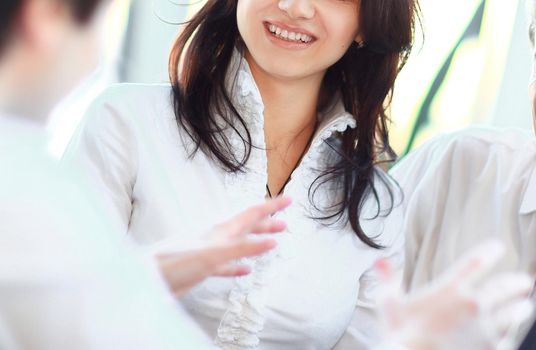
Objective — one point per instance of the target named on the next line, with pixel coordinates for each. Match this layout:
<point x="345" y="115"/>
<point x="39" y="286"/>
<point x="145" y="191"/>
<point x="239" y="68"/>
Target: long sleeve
<point x="423" y="203"/>
<point x="105" y="151"/>
<point x="365" y="329"/>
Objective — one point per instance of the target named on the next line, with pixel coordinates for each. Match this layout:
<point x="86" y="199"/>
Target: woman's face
<point x="294" y="39"/>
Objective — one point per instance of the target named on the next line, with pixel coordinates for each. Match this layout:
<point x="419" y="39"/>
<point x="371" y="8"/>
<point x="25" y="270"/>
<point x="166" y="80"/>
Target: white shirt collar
<point x="244" y="91"/>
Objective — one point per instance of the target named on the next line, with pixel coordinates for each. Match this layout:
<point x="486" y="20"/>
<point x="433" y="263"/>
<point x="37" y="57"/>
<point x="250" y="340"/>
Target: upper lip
<point x="290" y="28"/>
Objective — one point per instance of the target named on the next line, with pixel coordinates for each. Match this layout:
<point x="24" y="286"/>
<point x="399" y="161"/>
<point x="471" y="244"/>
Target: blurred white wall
<point x="512" y="105"/>
<point x="152" y="29"/>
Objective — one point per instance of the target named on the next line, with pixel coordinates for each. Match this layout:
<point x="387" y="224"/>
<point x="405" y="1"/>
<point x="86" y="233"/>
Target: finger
<point x="248" y="248"/>
<point x="504" y="289"/>
<point x="512" y="316"/>
<point x="269" y="226"/>
<point x="204" y="262"/>
<point x="389" y="277"/>
<point x="389" y="294"/>
<point x="184" y="270"/>
<point x="384" y="270"/>
<point x="474" y="265"/>
<point x="232" y="271"/>
<point x="220" y="255"/>
<point x="245" y="222"/>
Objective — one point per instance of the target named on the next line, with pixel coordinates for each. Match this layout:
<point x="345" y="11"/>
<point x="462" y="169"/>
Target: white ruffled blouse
<point x="316" y="290"/>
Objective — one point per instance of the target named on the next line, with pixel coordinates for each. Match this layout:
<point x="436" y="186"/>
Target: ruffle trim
<point x="245" y="317"/>
<point x="316" y="153"/>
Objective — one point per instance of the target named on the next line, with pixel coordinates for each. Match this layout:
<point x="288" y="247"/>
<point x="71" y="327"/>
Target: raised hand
<point x="226" y="243"/>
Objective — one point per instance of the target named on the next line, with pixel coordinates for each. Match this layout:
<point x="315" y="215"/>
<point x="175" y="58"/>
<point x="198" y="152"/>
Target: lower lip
<point x="292" y="45"/>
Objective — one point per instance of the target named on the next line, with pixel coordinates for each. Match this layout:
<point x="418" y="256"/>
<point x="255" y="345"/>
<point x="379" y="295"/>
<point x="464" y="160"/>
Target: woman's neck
<point x="290" y="118"/>
<point x="290" y="106"/>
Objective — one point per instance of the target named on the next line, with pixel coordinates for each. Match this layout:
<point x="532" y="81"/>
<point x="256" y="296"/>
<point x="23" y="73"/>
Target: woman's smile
<point x="288" y="37"/>
<point x="307" y="36"/>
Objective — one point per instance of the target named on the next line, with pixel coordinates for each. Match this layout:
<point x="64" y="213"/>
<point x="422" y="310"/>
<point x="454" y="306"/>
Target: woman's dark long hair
<point x="364" y="76"/>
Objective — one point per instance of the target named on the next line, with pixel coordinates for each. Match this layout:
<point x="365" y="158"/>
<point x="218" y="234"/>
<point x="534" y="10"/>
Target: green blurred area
<point x="455" y="75"/>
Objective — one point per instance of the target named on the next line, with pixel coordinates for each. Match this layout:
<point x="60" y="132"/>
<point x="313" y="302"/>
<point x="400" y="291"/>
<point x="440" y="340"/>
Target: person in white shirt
<point x="466" y="187"/>
<point x="274" y="96"/>
<point x="65" y="281"/>
<point x="463" y="188"/>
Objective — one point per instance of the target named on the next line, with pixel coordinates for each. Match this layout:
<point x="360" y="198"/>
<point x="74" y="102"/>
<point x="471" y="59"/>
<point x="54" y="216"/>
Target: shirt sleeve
<point x="104" y="150"/>
<point x="365" y="330"/>
<point x="421" y="175"/>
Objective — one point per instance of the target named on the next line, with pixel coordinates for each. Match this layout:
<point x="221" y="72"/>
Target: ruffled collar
<point x="245" y="317"/>
<point x="246" y="96"/>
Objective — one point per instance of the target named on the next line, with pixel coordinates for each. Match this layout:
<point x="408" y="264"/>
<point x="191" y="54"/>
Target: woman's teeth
<point x="290" y="36"/>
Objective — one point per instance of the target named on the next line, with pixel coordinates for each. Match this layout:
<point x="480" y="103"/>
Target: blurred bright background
<point x="473" y="66"/>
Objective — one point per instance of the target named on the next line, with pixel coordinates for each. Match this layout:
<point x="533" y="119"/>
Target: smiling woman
<point x="330" y="34"/>
<point x="334" y="63"/>
<point x="288" y="34"/>
<point x="266" y="97"/>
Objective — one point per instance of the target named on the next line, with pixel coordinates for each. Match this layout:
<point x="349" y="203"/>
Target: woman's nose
<point x="298" y="9"/>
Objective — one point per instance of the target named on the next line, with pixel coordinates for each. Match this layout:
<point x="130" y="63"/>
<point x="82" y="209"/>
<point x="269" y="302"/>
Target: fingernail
<point x="282" y="224"/>
<point x="286" y="199"/>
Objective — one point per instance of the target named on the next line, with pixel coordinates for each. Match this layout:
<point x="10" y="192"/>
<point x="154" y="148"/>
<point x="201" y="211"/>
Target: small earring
<point x="360" y="45"/>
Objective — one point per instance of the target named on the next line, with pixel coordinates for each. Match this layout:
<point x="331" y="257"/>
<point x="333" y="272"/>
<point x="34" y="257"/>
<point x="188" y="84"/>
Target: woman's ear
<point x="359" y="40"/>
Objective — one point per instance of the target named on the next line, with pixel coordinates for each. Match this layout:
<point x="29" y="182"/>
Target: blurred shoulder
<point x="470" y="145"/>
<point x="124" y="91"/>
<point x="129" y="107"/>
<point x="135" y="96"/>
<point x="478" y="138"/>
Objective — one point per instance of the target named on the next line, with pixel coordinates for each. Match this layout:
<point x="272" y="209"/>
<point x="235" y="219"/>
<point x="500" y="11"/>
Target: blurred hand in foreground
<point x="453" y="312"/>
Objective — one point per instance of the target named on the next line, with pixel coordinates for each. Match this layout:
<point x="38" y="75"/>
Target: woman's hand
<point x="226" y="242"/>
<point x="452" y="313"/>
